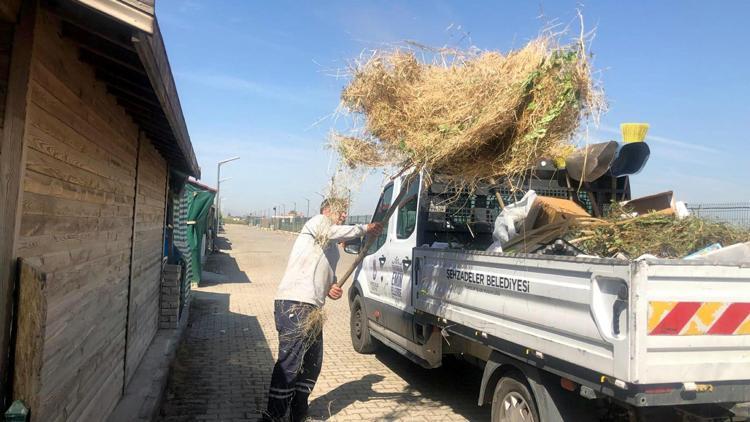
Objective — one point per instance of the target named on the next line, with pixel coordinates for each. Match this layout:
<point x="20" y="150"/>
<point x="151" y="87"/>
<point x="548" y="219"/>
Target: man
<point x="308" y="279"/>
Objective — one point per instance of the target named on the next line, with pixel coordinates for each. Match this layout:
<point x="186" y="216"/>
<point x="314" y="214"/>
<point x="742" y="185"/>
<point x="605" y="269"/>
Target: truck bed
<point x="642" y="322"/>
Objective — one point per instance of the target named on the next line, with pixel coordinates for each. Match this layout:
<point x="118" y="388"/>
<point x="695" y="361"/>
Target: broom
<point x="633" y="132"/>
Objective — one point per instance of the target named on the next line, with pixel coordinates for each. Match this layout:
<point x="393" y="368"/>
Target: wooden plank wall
<point x="6" y="43"/>
<point x="12" y="159"/>
<point x="77" y="227"/>
<point x="147" y="254"/>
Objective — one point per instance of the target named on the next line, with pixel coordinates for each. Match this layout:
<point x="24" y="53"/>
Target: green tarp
<point x="199" y="207"/>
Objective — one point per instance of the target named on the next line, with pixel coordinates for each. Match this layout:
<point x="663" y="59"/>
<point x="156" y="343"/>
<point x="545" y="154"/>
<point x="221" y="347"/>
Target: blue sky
<point x="258" y="80"/>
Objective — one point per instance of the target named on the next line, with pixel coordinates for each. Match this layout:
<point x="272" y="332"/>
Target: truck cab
<point x="441" y="216"/>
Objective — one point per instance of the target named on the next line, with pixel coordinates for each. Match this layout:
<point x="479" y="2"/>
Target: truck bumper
<point x="721" y="392"/>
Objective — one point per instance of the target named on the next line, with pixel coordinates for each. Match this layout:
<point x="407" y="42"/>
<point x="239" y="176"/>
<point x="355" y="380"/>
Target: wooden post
<point x="9" y="10"/>
<point x="499" y="198"/>
<point x="12" y="170"/>
<point x="165" y="221"/>
<point x="128" y="308"/>
<point x="31" y="326"/>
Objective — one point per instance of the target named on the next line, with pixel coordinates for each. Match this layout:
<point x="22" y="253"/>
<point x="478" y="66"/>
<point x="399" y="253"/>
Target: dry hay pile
<point x="474" y="115"/>
<point x="657" y="234"/>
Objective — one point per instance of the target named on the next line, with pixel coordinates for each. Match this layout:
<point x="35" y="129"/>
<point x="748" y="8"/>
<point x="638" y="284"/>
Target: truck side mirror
<point x="353" y="246"/>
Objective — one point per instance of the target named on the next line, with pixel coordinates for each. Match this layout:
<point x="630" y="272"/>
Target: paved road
<point x="224" y="365"/>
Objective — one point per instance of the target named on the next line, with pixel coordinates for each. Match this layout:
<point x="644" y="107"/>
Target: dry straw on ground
<point x="474" y="115"/>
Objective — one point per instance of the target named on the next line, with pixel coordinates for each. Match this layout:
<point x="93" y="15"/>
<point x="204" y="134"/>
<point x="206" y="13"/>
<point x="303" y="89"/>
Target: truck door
<point x="393" y="263"/>
<point x="375" y="275"/>
<point x="399" y="249"/>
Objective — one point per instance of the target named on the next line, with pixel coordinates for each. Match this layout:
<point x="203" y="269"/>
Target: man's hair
<point x="333" y="203"/>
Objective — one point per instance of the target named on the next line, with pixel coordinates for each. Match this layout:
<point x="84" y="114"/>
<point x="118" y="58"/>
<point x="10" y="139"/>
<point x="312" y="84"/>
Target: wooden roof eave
<point x="150" y="49"/>
<point x="138" y="14"/>
<point x="134" y="66"/>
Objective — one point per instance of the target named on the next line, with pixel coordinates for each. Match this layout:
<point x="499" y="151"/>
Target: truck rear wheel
<point x="512" y="401"/>
<point x="361" y="339"/>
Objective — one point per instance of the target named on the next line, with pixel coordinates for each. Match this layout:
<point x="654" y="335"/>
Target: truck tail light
<point x="658" y="390"/>
<point x="568" y="384"/>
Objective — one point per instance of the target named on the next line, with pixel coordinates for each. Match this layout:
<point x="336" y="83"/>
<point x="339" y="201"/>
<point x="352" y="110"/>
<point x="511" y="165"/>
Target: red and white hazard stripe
<point x="698" y="318"/>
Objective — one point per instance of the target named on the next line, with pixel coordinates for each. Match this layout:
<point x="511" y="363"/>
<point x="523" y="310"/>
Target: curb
<point x="145" y="391"/>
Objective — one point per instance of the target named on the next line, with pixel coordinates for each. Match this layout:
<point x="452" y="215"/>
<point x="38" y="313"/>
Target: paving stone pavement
<point x="224" y="364"/>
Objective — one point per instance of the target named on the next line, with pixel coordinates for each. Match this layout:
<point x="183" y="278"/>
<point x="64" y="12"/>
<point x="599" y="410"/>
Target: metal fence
<point x="358" y="219"/>
<point x="294" y="224"/>
<point x="737" y="213"/>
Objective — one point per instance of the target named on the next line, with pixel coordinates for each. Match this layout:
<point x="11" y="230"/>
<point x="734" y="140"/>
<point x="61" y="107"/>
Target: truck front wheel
<point x="361" y="339"/>
<point x="512" y="401"/>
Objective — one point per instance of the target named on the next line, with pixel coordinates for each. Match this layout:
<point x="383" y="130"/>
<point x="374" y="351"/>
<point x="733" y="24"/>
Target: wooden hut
<point x="93" y="141"/>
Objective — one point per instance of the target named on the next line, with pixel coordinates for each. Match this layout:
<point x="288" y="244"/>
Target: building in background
<point x="94" y="144"/>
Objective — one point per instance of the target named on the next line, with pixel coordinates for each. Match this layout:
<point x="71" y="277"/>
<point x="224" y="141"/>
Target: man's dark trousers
<point x="297" y="369"/>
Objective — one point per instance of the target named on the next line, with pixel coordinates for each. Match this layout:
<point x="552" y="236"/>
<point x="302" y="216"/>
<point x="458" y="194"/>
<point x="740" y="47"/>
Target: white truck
<point x="561" y="338"/>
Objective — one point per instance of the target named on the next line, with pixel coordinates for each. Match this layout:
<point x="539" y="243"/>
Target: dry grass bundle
<point x="311" y="321"/>
<point x="473" y="115"/>
<point x="657" y="234"/>
<point x="337" y="195"/>
<point x="358" y="152"/>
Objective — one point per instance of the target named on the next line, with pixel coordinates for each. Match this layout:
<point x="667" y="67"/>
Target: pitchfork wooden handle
<point x="370" y="239"/>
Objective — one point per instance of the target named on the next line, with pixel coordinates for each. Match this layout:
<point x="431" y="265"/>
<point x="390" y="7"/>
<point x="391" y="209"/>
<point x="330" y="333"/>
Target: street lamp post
<point x="224" y="199"/>
<point x="218" y="198"/>
<point x="218" y="189"/>
<point x="308" y="208"/>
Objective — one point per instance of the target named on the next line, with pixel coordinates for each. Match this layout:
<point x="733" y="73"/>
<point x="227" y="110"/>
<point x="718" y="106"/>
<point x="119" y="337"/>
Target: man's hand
<point x="374" y="229"/>
<point x="335" y="292"/>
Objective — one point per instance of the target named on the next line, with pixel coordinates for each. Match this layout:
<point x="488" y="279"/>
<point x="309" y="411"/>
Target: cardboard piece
<point x="549" y="210"/>
<point x="662" y="203"/>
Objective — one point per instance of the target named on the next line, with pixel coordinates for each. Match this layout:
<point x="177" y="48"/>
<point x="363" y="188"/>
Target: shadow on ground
<point x="225" y="270"/>
<point x="219" y="355"/>
<point x="455" y="384"/>
<point x="222" y="243"/>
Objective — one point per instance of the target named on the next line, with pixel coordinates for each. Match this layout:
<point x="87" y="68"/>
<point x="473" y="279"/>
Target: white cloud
<point x="252" y="150"/>
<point x="232" y="83"/>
